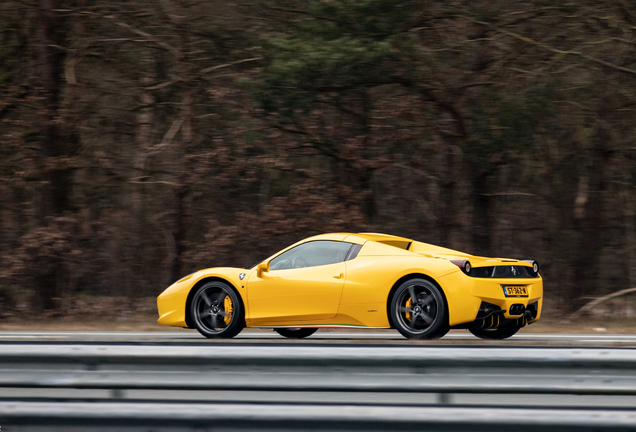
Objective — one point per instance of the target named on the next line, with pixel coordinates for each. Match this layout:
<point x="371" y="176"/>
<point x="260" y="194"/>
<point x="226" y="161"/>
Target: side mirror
<point x="262" y="268"/>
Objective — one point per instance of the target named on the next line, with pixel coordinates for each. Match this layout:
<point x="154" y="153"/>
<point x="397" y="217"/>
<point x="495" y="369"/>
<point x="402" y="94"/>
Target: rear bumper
<point x="466" y="295"/>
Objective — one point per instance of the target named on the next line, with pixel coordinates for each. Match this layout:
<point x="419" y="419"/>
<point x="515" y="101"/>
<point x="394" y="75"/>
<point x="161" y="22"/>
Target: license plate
<point x="515" y="291"/>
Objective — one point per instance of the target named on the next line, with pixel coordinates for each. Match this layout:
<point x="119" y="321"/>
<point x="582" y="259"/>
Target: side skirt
<point x="319" y="326"/>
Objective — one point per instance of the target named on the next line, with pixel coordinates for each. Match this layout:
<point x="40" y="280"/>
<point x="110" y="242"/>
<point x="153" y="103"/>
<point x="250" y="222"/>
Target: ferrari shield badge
<point x="241" y="276"/>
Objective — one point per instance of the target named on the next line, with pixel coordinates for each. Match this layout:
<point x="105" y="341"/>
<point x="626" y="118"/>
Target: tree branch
<point x="297" y="12"/>
<point x="557" y="51"/>
<point x="589" y="306"/>
<point x="150" y="37"/>
<point x="213" y="68"/>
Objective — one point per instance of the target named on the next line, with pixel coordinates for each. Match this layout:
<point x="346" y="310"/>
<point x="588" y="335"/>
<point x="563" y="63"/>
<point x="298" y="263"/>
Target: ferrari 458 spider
<point x="360" y="280"/>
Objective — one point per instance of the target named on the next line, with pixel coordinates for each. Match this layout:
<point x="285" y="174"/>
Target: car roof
<point x="381" y="238"/>
<point x="360" y="237"/>
<point x="391" y="240"/>
<point x="410" y="246"/>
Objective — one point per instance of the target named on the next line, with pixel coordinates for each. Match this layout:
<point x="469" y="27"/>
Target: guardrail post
<point x="444" y="399"/>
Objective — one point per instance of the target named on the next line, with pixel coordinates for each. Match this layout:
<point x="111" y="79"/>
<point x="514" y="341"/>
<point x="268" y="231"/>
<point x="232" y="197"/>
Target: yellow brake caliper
<point x="408" y="304"/>
<point x="227" y="305"/>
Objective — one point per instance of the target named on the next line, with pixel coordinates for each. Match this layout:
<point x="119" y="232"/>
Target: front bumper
<point x="171" y="304"/>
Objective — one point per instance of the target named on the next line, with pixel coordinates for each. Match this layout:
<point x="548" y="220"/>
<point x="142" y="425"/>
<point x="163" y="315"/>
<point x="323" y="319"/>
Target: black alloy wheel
<point x="418" y="310"/>
<point x="495" y="333"/>
<point x="217" y="311"/>
<point x="295" y="333"/>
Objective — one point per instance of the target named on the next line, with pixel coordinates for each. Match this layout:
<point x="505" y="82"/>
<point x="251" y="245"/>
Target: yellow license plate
<point x="515" y="291"/>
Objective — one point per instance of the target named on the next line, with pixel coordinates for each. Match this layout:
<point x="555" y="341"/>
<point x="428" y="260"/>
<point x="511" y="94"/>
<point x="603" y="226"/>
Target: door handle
<point x="339" y="276"/>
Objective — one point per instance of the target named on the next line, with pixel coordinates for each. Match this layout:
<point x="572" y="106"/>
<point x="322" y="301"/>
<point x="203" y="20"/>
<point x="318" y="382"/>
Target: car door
<point x="303" y="284"/>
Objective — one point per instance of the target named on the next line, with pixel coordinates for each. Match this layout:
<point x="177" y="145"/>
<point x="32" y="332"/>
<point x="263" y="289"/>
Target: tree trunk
<point x="177" y="15"/>
<point x="482" y="212"/>
<point x="589" y="224"/>
<point x="56" y="190"/>
<point x="139" y="221"/>
<point x="629" y="220"/>
<point x="55" y="195"/>
<point x="447" y="175"/>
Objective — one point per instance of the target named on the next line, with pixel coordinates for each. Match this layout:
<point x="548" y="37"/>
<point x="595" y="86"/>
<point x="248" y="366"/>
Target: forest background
<point x="141" y="140"/>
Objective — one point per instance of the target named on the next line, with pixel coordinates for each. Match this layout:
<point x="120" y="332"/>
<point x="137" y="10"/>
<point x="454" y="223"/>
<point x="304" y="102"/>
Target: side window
<point x="311" y="254"/>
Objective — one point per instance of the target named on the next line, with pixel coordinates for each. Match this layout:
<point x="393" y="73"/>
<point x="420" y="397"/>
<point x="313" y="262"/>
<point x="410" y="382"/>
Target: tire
<point x="217" y="311"/>
<point x="495" y="333"/>
<point x="295" y="333"/>
<point x="418" y="310"/>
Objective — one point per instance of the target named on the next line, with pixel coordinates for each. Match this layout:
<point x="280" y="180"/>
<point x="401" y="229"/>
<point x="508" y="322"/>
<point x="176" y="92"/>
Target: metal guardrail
<point x="403" y="369"/>
<point x="243" y="417"/>
<point x="440" y="371"/>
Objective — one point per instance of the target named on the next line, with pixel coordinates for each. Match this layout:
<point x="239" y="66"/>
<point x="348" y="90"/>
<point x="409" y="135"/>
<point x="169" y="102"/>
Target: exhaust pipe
<point x="517" y="309"/>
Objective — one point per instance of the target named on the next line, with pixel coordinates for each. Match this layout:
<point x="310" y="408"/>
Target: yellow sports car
<point x="360" y="280"/>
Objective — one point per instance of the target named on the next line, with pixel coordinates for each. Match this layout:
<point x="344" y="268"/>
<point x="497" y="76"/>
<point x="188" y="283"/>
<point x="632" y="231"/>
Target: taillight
<point x="463" y="264"/>
<point x="535" y="266"/>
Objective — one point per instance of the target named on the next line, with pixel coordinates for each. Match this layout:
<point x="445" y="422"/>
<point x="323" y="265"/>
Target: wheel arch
<point x="403" y="279"/>
<point x="193" y="290"/>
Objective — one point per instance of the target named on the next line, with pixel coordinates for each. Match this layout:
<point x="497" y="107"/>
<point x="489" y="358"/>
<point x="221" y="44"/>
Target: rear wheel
<point x="295" y="333"/>
<point x="217" y="311"/>
<point x="495" y="333"/>
<point x="418" y="310"/>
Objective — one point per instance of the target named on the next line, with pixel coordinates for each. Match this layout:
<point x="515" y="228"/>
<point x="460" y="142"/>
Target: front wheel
<point x="295" y="333"/>
<point x="418" y="310"/>
<point x="495" y="333"/>
<point x="217" y="311"/>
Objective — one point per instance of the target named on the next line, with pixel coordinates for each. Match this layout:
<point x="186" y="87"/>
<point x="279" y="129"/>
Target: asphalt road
<point x="320" y="337"/>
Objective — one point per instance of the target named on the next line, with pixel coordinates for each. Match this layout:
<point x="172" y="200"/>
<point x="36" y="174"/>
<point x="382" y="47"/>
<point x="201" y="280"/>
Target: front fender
<point x="172" y="302"/>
